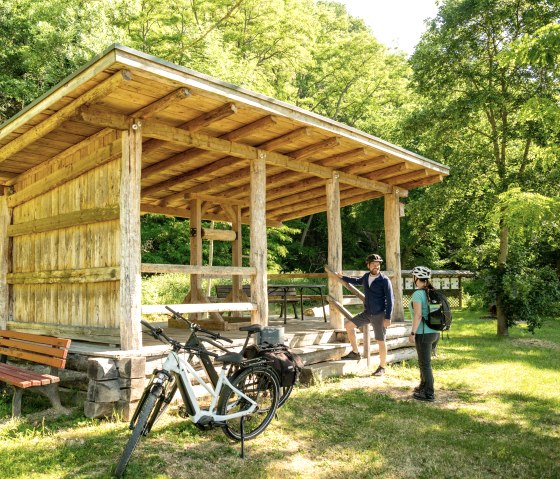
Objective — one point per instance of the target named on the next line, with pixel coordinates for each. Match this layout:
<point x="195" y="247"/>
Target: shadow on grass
<point x="328" y="431"/>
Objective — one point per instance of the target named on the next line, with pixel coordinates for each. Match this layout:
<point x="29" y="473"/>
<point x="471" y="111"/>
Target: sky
<point x="395" y="23"/>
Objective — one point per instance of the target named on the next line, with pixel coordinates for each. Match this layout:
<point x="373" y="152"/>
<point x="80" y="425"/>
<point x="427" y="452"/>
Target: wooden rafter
<point x="198" y="123"/>
<point x="62" y="115"/>
<point x="195" y="152"/>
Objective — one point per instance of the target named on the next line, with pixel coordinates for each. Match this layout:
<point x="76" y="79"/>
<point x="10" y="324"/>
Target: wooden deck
<point x="320" y="347"/>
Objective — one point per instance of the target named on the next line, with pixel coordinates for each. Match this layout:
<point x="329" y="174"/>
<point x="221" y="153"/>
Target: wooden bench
<point x="44" y="350"/>
<point x="223" y="291"/>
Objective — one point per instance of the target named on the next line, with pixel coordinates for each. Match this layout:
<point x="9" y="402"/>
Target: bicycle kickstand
<point x="242" y="437"/>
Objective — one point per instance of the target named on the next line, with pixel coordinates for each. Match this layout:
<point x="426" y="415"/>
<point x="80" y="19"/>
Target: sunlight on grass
<point x="496" y="415"/>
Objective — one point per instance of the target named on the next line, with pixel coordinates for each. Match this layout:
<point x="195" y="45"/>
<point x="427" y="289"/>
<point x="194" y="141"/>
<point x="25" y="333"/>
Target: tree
<point x="476" y="119"/>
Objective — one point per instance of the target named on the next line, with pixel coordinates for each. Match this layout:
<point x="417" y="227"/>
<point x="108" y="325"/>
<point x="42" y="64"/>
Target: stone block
<point x="102" y="369"/>
<point x="97" y="410"/>
<point x="126" y="409"/>
<point x="132" y="390"/>
<point x="104" y="391"/>
<point x="134" y="367"/>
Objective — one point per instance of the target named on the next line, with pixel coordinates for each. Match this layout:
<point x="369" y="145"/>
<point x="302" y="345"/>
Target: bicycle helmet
<point x="421" y="272"/>
<point x="374" y="257"/>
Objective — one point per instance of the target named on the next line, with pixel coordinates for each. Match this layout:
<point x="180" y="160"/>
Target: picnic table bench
<point x="37" y="349"/>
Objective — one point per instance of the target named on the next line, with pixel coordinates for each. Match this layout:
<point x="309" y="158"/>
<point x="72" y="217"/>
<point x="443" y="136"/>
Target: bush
<point x="529" y="294"/>
<point x="170" y="288"/>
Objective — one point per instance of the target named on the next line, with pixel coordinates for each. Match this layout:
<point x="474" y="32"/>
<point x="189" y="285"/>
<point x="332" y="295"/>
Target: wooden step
<point x="314" y="373"/>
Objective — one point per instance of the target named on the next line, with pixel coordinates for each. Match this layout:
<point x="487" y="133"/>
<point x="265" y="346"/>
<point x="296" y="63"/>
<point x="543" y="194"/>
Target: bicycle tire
<point x="261" y="385"/>
<point x="285" y="392"/>
<point x="137" y="433"/>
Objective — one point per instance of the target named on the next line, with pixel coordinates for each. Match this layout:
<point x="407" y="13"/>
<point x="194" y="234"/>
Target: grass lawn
<point x="497" y="414"/>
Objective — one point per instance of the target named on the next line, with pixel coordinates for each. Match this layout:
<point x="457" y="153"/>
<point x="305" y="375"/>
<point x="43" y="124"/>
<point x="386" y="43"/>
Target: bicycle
<point x="243" y="404"/>
<point x="251" y="329"/>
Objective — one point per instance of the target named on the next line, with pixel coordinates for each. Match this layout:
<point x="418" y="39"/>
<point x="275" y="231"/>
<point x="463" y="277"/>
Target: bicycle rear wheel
<point x="138" y="431"/>
<point x="285" y="392"/>
<point x="261" y="385"/>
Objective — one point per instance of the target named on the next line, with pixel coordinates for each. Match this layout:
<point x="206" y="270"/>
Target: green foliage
<point x="170" y="288"/>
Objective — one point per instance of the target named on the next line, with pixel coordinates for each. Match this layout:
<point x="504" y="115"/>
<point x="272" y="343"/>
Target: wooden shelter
<point x="130" y="134"/>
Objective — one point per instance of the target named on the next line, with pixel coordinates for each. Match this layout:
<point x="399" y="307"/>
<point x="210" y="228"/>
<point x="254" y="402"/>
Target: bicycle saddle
<point x="253" y="328"/>
<point x="231" y="358"/>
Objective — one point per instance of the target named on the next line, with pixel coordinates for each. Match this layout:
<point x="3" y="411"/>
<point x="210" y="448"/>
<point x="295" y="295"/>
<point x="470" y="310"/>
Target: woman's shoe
<point x="423" y="396"/>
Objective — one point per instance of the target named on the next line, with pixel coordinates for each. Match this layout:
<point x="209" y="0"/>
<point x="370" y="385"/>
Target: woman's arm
<point x="417" y="307"/>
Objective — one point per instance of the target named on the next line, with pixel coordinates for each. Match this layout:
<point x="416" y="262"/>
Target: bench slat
<point x="58" y="342"/>
<point x="36" y="358"/>
<point x="24" y="378"/>
<point x="34" y="347"/>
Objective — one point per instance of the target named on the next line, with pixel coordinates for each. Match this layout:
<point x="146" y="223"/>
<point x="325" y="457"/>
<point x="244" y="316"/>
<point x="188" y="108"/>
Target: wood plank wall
<point x="66" y="246"/>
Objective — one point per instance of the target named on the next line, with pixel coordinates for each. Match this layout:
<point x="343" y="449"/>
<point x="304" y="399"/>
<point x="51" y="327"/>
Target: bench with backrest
<point x="39" y="350"/>
<point x="223" y="291"/>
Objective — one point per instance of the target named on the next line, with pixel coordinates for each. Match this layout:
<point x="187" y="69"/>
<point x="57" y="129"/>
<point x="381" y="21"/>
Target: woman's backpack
<point x="439" y="315"/>
<point x="286" y="364"/>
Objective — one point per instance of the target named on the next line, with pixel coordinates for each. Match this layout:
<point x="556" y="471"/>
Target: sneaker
<point x="419" y="388"/>
<point x="422" y="396"/>
<point x="352" y="355"/>
<point x="379" y="371"/>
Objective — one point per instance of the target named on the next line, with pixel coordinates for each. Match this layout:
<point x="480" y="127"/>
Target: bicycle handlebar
<point x="158" y="333"/>
<point x="197" y="328"/>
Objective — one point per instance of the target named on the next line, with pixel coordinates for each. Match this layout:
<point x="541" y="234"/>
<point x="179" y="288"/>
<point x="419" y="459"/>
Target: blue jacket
<point x="378" y="296"/>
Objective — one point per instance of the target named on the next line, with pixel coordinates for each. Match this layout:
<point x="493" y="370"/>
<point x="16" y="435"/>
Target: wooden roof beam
<point x="164" y="132"/>
<point x="56" y="119"/>
<point x="430" y="180"/>
<point x="185" y="156"/>
<point x="146" y="208"/>
<point x="412" y="176"/>
<point x="343" y="157"/>
<point x="161" y="104"/>
<point x="268" y="145"/>
<point x="312" y="149"/>
<point x="198" y="123"/>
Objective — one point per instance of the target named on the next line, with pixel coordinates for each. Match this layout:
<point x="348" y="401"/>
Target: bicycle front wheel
<point x="139" y="430"/>
<point x="261" y="385"/>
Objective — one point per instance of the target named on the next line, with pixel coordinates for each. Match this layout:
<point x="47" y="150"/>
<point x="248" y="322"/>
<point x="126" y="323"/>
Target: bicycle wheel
<point x="261" y="385"/>
<point x="138" y="431"/>
<point x="285" y="392"/>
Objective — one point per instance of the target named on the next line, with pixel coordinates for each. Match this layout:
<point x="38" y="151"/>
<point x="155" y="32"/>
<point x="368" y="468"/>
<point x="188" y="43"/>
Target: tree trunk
<point x="502" y="261"/>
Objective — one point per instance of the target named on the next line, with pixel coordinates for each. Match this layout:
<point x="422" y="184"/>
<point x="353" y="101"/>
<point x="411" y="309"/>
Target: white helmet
<point x="421" y="272"/>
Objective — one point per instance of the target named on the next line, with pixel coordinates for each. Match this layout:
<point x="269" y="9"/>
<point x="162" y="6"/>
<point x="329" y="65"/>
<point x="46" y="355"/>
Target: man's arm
<point x="389" y="299"/>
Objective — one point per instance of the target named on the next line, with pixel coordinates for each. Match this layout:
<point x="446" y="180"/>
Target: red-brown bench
<point x="44" y="350"/>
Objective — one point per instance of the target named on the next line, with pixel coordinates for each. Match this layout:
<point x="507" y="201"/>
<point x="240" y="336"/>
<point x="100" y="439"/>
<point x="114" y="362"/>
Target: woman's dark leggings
<point x="424" y="344"/>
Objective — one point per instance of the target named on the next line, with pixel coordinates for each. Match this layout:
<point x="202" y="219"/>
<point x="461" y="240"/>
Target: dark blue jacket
<point x="378" y="296"/>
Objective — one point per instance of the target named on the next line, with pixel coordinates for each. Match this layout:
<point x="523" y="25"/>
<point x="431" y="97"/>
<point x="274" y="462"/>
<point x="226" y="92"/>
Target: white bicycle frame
<point x="174" y="363"/>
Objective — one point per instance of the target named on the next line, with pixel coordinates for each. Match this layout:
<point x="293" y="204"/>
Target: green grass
<point x="497" y="415"/>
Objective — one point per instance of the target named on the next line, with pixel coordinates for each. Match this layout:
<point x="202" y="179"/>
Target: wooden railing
<point x="347" y="314"/>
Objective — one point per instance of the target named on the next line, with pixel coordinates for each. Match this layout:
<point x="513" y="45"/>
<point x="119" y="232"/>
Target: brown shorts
<point x="376" y="320"/>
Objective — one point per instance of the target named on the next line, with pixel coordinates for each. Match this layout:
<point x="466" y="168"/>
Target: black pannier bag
<point x="286" y="364"/>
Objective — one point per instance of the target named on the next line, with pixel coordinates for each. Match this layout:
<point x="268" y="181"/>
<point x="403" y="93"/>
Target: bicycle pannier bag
<point x="286" y="364"/>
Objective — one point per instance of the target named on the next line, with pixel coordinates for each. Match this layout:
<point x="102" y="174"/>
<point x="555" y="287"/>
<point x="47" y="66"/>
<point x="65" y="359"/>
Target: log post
<point x="129" y="201"/>
<point x="393" y="250"/>
<point x="236" y="253"/>
<point x="259" y="282"/>
<point x="5" y="260"/>
<point x="196" y="252"/>
<point x="334" y="259"/>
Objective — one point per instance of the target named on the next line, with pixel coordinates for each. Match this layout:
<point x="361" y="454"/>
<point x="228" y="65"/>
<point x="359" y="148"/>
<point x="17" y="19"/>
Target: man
<point x="378" y="305"/>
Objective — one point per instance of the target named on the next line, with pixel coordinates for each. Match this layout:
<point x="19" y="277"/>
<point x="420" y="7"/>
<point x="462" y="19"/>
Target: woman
<point x="421" y="335"/>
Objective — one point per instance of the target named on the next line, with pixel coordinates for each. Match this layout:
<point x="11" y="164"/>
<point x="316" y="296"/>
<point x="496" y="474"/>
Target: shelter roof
<point x="199" y="137"/>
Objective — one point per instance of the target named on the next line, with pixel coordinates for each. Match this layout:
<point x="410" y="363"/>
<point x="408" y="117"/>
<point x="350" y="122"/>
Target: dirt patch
<point x="536" y="343"/>
<point x="395" y="388"/>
